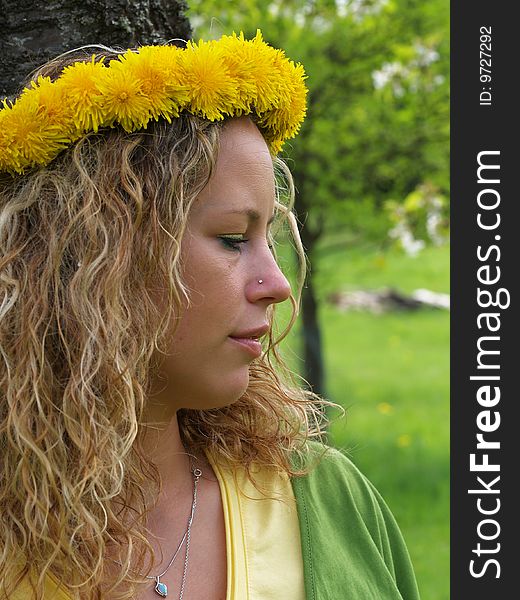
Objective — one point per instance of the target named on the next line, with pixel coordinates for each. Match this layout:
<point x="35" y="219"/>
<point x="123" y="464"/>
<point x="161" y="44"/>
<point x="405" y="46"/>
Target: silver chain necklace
<point x="160" y="587"/>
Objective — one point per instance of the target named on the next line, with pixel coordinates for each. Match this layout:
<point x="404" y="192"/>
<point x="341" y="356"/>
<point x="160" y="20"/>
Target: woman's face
<point x="224" y="254"/>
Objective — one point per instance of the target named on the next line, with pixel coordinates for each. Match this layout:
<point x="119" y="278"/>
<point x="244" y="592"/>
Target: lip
<point x="252" y="333"/>
<point x="254" y="347"/>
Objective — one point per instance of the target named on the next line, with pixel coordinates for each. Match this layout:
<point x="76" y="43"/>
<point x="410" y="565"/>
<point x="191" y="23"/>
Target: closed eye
<point x="232" y="242"/>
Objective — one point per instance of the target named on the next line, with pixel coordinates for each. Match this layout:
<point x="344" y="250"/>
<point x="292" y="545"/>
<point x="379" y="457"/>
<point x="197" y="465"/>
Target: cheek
<point x="211" y="314"/>
<point x="213" y="278"/>
<point x="202" y="263"/>
<point x="216" y="279"/>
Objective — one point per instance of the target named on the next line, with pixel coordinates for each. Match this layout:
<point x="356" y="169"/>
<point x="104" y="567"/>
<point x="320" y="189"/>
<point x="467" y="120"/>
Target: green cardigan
<point x="351" y="545"/>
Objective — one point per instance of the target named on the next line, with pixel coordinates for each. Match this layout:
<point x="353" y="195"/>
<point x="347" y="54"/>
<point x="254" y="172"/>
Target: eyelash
<point x="232" y="243"/>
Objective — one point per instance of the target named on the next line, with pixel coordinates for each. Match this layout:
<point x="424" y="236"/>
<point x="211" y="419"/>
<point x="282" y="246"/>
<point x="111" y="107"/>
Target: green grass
<point x="391" y="373"/>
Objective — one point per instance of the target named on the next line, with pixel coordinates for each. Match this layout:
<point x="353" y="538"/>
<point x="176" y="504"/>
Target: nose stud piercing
<point x="260" y="281"/>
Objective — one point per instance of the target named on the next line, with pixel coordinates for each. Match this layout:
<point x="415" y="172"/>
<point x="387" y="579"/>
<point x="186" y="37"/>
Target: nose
<point x="269" y="283"/>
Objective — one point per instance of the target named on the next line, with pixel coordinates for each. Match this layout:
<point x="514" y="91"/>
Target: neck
<point x="162" y="443"/>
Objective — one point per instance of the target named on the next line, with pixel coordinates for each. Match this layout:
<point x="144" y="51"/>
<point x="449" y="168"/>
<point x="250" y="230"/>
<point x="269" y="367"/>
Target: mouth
<point x="252" y="334"/>
<point x="250" y="340"/>
<point x="249" y="345"/>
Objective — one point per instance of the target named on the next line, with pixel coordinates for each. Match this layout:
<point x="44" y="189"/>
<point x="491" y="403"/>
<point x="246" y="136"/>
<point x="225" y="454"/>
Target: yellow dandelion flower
<point x="80" y="84"/>
<point x="154" y="68"/>
<point x="282" y="76"/>
<point x="275" y="145"/>
<point x="169" y="58"/>
<point x="244" y="64"/>
<point x="277" y="121"/>
<point x="212" y="89"/>
<point x="165" y="56"/>
<point x="5" y="139"/>
<point x="291" y="79"/>
<point x="268" y="77"/>
<point x="123" y="100"/>
<point x="30" y="140"/>
<point x="404" y="440"/>
<point x="384" y="408"/>
<point x="285" y="119"/>
<point x="49" y="98"/>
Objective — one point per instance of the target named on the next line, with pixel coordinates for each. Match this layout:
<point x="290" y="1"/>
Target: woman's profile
<point x="154" y="443"/>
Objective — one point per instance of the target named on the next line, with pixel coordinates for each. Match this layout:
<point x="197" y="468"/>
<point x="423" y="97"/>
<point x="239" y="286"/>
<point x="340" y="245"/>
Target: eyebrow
<point x="251" y="213"/>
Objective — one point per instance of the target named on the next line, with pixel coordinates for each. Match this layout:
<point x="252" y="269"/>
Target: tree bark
<point x="34" y="31"/>
<point x="314" y="370"/>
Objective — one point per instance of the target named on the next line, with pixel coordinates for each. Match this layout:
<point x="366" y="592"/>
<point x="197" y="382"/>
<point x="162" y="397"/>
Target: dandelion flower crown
<point x="214" y="79"/>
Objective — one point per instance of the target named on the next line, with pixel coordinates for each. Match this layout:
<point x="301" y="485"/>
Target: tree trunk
<point x="34" y="31"/>
<point x="314" y="371"/>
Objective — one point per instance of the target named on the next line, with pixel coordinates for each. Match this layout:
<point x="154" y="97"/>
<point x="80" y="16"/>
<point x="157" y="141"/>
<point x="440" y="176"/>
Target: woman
<point x="154" y="443"/>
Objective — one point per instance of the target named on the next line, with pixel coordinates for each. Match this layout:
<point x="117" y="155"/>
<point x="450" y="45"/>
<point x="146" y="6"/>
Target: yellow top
<point x="53" y="591"/>
<point x="264" y="560"/>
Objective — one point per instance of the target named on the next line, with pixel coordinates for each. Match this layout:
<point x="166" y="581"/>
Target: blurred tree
<point x="34" y="31"/>
<point x="378" y="123"/>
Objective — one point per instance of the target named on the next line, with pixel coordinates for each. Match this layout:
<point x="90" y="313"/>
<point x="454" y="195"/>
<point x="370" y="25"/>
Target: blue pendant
<point x="161" y="588"/>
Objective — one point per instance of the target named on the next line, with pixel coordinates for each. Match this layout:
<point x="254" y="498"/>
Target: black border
<point x="476" y="128"/>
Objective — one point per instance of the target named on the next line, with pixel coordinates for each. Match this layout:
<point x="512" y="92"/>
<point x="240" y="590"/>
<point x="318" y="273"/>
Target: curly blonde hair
<point x="82" y="242"/>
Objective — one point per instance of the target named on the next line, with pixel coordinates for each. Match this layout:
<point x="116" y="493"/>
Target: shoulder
<point x="330" y="469"/>
<point x="343" y="517"/>
<point x="335" y="485"/>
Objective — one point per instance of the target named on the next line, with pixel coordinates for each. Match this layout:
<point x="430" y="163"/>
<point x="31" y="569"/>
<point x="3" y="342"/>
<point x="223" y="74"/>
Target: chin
<point x="209" y="403"/>
<point x="222" y="394"/>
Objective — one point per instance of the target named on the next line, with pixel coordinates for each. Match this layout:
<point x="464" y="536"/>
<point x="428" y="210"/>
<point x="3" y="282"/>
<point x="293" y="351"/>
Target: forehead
<point x="243" y="176"/>
<point x="242" y="143"/>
